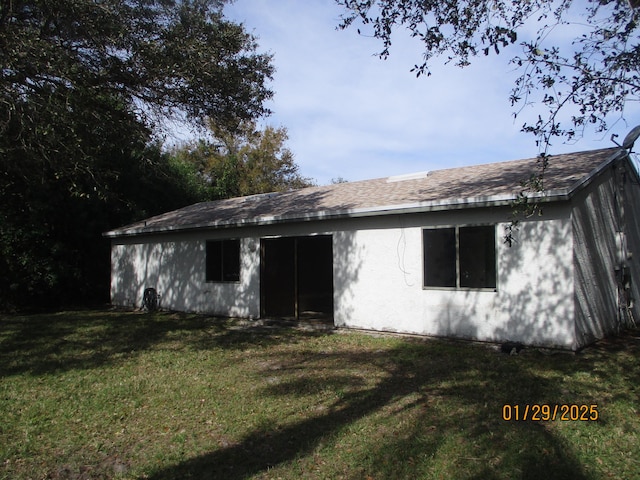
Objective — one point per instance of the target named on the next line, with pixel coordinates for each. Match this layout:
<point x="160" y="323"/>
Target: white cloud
<point x="350" y="114"/>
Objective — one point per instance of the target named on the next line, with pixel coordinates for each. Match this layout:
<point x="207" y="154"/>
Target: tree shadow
<point x="433" y="399"/>
<point x="556" y="284"/>
<point x="50" y="343"/>
<point x="412" y="406"/>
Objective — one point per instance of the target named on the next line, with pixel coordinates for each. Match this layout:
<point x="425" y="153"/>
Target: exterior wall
<point x="632" y="229"/>
<point x="175" y="266"/>
<point x="378" y="281"/>
<point x="598" y="217"/>
<point x="378" y="276"/>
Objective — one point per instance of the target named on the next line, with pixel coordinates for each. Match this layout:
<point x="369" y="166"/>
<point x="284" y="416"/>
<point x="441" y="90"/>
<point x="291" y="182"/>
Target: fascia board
<point x="587" y="179"/>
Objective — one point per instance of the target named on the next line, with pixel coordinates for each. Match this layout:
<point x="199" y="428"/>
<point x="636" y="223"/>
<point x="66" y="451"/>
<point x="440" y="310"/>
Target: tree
<point x="130" y="60"/>
<point x="579" y="84"/>
<point x="85" y="87"/>
<point x="51" y="250"/>
<point x="245" y="161"/>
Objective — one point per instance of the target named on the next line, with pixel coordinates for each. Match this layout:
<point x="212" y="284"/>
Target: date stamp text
<point x="549" y="412"/>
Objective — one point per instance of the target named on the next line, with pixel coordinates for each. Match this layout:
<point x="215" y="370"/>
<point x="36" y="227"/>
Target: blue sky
<point x="350" y="114"/>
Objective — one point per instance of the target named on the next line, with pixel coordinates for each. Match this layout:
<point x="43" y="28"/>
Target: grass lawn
<point x="102" y="394"/>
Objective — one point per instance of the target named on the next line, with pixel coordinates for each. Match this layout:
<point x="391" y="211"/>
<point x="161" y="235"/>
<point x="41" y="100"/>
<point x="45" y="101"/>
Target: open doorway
<point x="297" y="277"/>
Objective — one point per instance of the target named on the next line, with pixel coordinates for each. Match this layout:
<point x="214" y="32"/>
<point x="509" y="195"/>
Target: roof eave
<point x="587" y="179"/>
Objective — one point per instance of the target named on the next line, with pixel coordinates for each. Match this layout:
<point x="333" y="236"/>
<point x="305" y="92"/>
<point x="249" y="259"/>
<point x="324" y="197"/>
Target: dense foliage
<point x="582" y="65"/>
<point x="244" y="162"/>
<point x="85" y="86"/>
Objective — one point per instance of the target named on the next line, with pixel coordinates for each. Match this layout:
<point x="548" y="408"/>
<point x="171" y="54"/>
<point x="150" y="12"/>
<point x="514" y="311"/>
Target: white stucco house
<point x="421" y="254"/>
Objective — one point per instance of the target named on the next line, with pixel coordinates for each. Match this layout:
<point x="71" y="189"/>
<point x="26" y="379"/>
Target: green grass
<point x="99" y="394"/>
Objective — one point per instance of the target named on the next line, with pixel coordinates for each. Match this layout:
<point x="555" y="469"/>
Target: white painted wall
<point x="381" y="288"/>
<point x="378" y="277"/>
<point x="175" y="267"/>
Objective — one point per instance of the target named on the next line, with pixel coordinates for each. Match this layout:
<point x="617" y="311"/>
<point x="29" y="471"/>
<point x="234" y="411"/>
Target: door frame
<point x="266" y="284"/>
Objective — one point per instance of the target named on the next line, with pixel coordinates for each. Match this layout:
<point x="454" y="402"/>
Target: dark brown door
<point x="297" y="277"/>
<point x="315" y="277"/>
<point x="277" y="285"/>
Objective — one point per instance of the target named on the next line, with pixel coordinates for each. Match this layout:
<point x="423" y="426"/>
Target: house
<point x="421" y="254"/>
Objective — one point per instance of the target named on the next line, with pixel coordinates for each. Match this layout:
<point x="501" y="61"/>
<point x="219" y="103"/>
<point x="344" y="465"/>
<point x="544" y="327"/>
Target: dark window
<point x="477" y="247"/>
<point x="223" y="261"/>
<point x="460" y="257"/>
<point x="440" y="257"/>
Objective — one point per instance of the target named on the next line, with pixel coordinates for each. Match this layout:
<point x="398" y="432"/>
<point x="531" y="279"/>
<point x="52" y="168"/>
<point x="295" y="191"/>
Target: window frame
<point x="458" y="287"/>
<point x="222" y="261"/>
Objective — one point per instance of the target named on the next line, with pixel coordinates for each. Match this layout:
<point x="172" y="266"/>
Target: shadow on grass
<point x="58" y="342"/>
<point x="449" y="398"/>
<point x="410" y="409"/>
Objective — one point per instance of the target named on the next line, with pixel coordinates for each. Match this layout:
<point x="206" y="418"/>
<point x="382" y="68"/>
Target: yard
<point x="106" y="394"/>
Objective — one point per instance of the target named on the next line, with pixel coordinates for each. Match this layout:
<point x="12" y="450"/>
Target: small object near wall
<point x="150" y="300"/>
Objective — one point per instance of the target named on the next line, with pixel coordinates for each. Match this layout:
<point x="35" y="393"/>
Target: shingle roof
<point x="478" y="185"/>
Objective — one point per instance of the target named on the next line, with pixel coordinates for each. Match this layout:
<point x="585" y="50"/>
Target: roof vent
<point x="408" y="176"/>
<point x="258" y="196"/>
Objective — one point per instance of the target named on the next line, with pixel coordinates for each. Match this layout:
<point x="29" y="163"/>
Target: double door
<point x="296" y="277"/>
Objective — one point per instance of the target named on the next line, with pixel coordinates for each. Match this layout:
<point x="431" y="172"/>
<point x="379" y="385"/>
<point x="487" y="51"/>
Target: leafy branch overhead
<point x="160" y="55"/>
<point x="129" y="62"/>
<point x="581" y="82"/>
